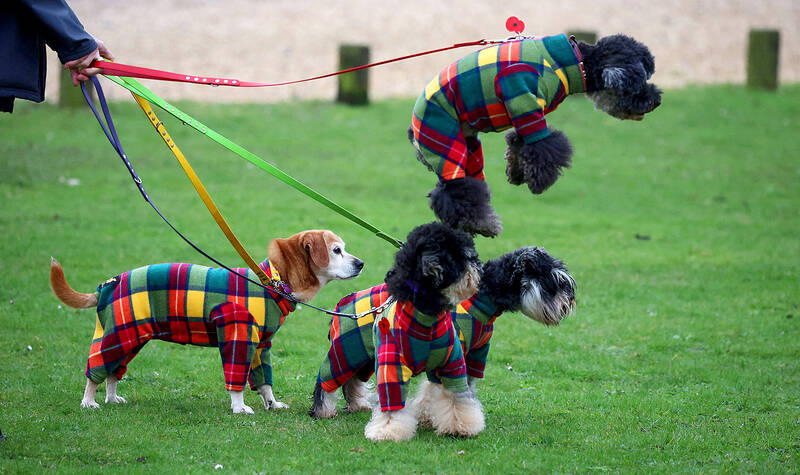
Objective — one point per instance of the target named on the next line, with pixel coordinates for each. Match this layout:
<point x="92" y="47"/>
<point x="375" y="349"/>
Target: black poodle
<point x="436" y="268"/>
<point x="527" y="280"/>
<point x="515" y="84"/>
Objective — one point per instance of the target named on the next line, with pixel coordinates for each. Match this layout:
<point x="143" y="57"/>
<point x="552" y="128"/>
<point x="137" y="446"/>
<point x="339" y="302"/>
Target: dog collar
<point x="275" y="278"/>
<point x="577" y="50"/>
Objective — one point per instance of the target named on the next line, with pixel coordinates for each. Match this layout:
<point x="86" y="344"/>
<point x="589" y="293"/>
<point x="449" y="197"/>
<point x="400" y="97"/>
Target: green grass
<point x="683" y="355"/>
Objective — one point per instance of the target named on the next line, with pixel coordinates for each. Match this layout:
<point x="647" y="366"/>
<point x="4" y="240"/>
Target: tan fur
<point x="464" y="288"/>
<point x="293" y="261"/>
<point x="64" y="292"/>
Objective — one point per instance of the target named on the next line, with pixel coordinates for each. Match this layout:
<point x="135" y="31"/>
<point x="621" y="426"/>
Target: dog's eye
<point x="337" y="250"/>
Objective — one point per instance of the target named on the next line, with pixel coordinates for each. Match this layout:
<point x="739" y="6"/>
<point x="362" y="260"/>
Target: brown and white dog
<point x="198" y="305"/>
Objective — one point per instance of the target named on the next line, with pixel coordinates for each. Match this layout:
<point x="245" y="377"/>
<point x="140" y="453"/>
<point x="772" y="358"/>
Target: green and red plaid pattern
<point x="512" y="84"/>
<point x="352" y="350"/>
<point x="416" y="342"/>
<point x="188" y="304"/>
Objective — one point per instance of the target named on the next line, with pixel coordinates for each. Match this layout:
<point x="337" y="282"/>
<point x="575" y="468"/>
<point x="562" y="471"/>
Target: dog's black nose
<point x="358" y="264"/>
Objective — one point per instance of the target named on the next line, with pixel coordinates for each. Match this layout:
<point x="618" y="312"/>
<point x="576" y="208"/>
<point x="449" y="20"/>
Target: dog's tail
<point x="64" y="292"/>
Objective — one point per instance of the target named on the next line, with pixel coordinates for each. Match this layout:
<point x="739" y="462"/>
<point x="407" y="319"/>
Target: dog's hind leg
<point x="355" y="393"/>
<point x="324" y="406"/>
<point x="88" y="395"/>
<point x="111" y="390"/>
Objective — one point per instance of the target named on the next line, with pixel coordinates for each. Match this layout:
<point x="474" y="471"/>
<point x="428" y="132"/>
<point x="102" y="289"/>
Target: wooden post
<point x="585" y="36"/>
<point x="353" y="86"/>
<point x="69" y="95"/>
<point x="762" y="59"/>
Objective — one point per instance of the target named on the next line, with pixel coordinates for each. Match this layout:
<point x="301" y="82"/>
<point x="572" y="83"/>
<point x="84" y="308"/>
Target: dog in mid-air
<point x="198" y="305"/>
<point x="435" y="269"/>
<point x="528" y="280"/>
<point x="515" y="84"/>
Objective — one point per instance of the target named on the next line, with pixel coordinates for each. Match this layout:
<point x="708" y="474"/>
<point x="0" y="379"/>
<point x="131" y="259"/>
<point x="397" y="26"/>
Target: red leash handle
<point x="126" y="70"/>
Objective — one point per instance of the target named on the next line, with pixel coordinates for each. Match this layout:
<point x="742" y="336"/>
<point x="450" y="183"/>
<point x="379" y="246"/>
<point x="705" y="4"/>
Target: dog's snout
<point x="358" y="264"/>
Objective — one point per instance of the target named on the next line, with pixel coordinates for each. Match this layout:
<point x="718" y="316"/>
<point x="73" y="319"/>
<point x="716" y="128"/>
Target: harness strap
<point x="201" y="190"/>
<point x="137" y="88"/>
<point x="126" y="70"/>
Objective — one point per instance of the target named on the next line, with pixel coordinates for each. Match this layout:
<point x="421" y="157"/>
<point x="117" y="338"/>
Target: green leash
<point x="137" y="88"/>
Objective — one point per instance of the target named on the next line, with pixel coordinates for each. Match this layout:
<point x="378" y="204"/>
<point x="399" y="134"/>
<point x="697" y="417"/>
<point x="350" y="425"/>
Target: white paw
<point x="90" y="404"/>
<point x="243" y="409"/>
<point x="277" y="405"/>
<point x="116" y="400"/>
<point x="392" y="426"/>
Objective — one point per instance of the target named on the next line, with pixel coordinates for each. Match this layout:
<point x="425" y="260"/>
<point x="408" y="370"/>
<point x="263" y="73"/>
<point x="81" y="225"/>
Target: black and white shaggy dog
<point x="527" y="280"/>
<point x="514" y="85"/>
<point x="436" y="268"/>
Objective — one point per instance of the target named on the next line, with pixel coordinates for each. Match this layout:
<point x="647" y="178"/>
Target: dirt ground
<point x="693" y="41"/>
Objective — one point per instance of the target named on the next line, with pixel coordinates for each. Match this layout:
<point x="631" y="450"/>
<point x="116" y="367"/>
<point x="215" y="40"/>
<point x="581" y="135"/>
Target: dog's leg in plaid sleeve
<point x="237" y="333"/>
<point x="260" y="377"/>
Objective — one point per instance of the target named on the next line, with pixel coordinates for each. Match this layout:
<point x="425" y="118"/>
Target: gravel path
<point x="694" y="41"/>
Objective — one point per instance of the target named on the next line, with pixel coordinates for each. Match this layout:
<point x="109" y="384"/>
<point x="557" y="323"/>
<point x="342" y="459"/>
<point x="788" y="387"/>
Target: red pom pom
<point x="383" y="326"/>
<point x="515" y="24"/>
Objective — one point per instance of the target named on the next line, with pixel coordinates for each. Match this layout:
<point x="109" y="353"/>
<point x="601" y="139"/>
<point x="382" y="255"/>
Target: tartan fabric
<point x="416" y="342"/>
<point x="352" y="349"/>
<point x="188" y="304"/>
<point x="513" y="84"/>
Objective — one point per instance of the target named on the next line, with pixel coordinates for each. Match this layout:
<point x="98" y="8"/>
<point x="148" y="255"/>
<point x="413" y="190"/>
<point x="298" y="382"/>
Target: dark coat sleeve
<point x="59" y="27"/>
<point x="25" y="27"/>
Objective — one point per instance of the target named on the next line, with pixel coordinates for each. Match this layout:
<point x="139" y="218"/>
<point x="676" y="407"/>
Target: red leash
<point x="118" y="69"/>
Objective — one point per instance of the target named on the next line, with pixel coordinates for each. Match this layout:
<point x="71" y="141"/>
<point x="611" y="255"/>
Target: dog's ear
<point x="613" y="78"/>
<point x="619" y="79"/>
<point x="314" y="243"/>
<point x="432" y="268"/>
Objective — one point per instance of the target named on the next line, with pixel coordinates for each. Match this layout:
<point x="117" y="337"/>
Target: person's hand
<point x="79" y="68"/>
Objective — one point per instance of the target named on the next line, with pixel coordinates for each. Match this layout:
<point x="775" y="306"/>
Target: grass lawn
<point x="681" y="231"/>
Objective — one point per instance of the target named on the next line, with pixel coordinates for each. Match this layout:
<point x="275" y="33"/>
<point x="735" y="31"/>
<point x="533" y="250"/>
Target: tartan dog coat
<point x="513" y="84"/>
<point x="352" y="350"/>
<point x="188" y="304"/>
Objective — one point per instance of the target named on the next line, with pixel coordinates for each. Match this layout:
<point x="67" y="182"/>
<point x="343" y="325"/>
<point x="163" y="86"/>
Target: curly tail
<point x="64" y="292"/>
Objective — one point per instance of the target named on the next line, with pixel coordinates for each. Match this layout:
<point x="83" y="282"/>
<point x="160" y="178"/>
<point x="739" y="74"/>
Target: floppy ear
<point x="613" y="78"/>
<point x="314" y="243"/>
<point x="432" y="268"/>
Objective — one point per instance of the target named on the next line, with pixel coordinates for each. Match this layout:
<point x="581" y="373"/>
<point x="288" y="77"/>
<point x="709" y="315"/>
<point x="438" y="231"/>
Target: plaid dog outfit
<point x="188" y="304"/>
<point x="352" y="349"/>
<point x="512" y="84"/>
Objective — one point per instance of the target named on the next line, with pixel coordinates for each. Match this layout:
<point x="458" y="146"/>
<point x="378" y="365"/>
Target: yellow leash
<point x="201" y="190"/>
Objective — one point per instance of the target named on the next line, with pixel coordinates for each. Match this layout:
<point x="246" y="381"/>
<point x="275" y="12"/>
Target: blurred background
<point x="693" y="41"/>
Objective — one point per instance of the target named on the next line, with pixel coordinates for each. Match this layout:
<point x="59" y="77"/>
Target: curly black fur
<point x="617" y="69"/>
<point x="540" y="163"/>
<point x="503" y="278"/>
<point x="433" y="257"/>
<point x="513" y="166"/>
<point x="463" y="204"/>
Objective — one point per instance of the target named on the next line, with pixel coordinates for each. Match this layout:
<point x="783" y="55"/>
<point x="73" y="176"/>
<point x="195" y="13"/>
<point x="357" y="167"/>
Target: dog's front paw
<point x="463" y="204"/>
<point x="115" y="399"/>
<point x="542" y="161"/>
<point x="394" y="426"/>
<point x="90" y="404"/>
<point x="277" y="405"/>
<point x="243" y="409"/>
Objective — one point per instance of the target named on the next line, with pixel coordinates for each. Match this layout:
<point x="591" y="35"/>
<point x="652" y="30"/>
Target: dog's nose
<point x="358" y="264"/>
